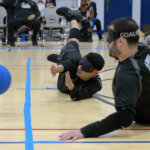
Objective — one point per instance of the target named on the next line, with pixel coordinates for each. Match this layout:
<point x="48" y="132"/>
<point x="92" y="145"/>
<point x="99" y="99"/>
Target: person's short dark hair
<point x="96" y="60"/>
<point x="126" y="25"/>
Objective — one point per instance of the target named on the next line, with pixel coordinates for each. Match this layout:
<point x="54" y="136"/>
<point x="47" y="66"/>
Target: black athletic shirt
<point x="70" y="58"/>
<point x="23" y="10"/>
<point x="131" y="88"/>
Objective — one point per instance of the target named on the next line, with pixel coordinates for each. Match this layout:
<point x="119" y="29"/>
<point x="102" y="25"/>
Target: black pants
<point x="97" y="22"/>
<point x="15" y="24"/>
<point x="85" y="35"/>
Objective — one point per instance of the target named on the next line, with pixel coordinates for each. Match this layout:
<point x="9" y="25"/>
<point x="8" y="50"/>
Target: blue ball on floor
<point x="5" y="79"/>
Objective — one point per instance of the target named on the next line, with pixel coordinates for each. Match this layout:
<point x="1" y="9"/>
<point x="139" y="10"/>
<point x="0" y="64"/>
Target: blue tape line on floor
<point x="27" y="112"/>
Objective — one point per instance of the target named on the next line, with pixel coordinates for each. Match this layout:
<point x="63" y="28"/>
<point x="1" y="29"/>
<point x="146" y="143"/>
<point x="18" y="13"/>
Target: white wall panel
<point x="136" y="11"/>
<point x="68" y="3"/>
<point x="100" y="11"/>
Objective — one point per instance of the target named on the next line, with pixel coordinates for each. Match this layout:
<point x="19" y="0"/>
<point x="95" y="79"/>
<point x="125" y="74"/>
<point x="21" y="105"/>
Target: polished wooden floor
<point x="52" y="112"/>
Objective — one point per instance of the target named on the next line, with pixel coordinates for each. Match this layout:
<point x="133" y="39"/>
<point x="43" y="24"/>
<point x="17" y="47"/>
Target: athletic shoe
<point x="69" y="14"/>
<point x="53" y="58"/>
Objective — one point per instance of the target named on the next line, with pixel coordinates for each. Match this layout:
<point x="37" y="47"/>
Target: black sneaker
<point x="53" y="58"/>
<point x="69" y="14"/>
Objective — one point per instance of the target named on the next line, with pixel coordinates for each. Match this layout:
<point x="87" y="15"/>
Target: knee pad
<point x="74" y="33"/>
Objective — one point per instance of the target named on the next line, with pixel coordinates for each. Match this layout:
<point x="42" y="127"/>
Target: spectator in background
<point x="87" y="16"/>
<point x="95" y="21"/>
<point x="50" y="3"/>
<point x="41" y="5"/>
<point x="26" y="13"/>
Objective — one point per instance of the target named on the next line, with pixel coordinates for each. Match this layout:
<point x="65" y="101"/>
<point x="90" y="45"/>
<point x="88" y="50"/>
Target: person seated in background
<point x="9" y="6"/>
<point x="26" y="12"/>
<point x="41" y="5"/>
<point x="95" y="21"/>
<point x="87" y="16"/>
<point x="77" y="76"/>
<point x="50" y="3"/>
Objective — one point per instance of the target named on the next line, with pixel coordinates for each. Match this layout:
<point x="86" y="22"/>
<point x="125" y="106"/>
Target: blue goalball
<point x="5" y="79"/>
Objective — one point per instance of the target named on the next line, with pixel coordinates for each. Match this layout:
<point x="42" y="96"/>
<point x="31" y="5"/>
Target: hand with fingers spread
<point x="71" y="135"/>
<point x="69" y="82"/>
<point x="53" y="70"/>
<point x="56" y="69"/>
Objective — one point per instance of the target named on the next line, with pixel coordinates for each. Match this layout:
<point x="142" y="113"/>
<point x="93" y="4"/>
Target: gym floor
<point x="33" y="113"/>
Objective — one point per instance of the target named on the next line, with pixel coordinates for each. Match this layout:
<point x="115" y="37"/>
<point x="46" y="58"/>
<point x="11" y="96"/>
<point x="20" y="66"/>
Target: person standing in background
<point x="87" y="16"/>
<point x="96" y="21"/>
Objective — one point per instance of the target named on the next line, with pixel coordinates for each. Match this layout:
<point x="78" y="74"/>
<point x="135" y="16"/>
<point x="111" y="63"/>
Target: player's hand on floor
<point x="71" y="135"/>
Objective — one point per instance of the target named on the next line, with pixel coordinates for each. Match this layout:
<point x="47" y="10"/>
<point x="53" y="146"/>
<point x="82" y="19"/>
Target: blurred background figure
<point x="87" y="16"/>
<point x="41" y="5"/>
<point x="26" y="12"/>
<point x="50" y="3"/>
<point x="95" y="21"/>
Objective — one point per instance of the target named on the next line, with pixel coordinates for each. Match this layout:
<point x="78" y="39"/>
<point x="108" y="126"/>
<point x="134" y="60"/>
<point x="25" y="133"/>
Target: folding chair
<point x="50" y="14"/>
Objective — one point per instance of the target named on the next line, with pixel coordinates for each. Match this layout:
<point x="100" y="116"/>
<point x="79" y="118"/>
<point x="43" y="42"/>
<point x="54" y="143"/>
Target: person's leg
<point x="72" y="43"/>
<point x="35" y="26"/>
<point x="86" y="31"/>
<point x="71" y="49"/>
<point x="74" y="35"/>
<point x="12" y="26"/>
<point x="98" y="27"/>
<point x="89" y="31"/>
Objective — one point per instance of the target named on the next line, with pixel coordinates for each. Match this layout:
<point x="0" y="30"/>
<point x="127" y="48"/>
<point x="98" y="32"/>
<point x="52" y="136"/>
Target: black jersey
<point x="131" y="88"/>
<point x="70" y="58"/>
<point x="24" y="9"/>
<point x="86" y="13"/>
